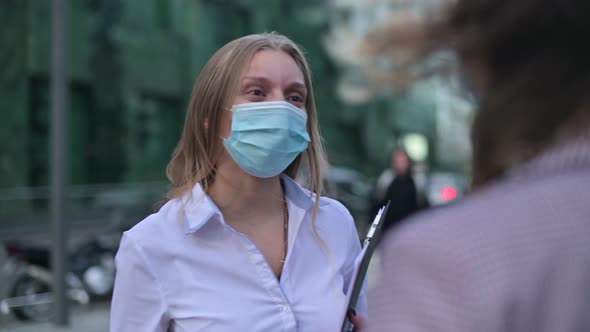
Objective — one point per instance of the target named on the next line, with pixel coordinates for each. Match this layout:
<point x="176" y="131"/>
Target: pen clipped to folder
<point x="361" y="265"/>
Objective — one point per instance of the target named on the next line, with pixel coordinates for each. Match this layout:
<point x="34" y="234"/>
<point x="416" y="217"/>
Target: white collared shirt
<point x="184" y="269"/>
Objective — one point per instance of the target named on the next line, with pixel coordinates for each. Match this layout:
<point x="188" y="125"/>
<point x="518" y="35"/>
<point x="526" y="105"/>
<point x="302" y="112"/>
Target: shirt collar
<point x="569" y="155"/>
<point x="200" y="209"/>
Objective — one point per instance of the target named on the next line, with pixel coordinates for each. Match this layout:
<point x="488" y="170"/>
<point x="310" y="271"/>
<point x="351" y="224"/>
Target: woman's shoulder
<point x="336" y="217"/>
<point x="334" y="206"/>
<point x="329" y="207"/>
<point x="159" y="226"/>
<point x="305" y="196"/>
<point x="338" y="228"/>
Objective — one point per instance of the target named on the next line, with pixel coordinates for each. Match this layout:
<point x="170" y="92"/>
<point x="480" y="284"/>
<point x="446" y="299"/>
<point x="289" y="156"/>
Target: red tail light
<point x="449" y="194"/>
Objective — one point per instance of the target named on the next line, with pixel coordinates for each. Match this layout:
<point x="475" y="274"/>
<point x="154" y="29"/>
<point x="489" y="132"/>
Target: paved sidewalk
<point x="91" y="318"/>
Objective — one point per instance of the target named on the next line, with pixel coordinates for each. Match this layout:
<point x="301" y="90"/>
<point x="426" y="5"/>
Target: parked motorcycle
<point x="91" y="274"/>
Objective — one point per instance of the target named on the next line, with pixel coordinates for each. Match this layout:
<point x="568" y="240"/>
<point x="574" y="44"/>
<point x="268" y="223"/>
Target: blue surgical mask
<point x="266" y="137"/>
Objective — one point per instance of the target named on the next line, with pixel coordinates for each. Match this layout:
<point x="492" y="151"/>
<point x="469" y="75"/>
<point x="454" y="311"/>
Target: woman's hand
<point x="359" y="322"/>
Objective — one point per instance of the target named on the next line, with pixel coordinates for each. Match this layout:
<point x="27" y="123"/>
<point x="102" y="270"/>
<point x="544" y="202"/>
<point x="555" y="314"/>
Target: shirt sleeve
<point x="137" y="303"/>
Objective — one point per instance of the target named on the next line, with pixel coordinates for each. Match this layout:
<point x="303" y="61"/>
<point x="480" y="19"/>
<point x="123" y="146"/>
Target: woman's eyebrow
<point x="257" y="79"/>
<point x="298" y="86"/>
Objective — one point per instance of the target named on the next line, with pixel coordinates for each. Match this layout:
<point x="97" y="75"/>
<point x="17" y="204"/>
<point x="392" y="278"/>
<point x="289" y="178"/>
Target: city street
<point x="95" y="317"/>
<point x="91" y="318"/>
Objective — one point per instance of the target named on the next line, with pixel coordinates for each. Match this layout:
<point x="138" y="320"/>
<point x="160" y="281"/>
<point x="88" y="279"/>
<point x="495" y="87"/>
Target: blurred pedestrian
<point x="401" y="192"/>
<point x="514" y="255"/>
<point x="240" y="246"/>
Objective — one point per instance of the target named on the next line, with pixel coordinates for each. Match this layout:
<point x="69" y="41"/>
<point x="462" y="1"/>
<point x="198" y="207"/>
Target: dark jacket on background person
<point x="512" y="257"/>
<point x="404" y="200"/>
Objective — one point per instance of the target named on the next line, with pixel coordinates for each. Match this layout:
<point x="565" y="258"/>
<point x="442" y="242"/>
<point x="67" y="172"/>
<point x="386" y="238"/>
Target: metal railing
<point x="26" y="209"/>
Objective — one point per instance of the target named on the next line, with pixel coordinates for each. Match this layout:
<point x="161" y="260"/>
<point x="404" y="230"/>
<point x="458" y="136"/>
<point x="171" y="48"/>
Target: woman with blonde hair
<point x="239" y="245"/>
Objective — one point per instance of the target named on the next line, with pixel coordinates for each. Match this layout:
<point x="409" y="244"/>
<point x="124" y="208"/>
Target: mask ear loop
<point x="229" y="109"/>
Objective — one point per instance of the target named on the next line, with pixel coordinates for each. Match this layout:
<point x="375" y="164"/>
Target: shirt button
<point x="286" y="308"/>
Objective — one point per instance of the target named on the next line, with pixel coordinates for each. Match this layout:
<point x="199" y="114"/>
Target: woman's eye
<point x="255" y="92"/>
<point x="296" y="99"/>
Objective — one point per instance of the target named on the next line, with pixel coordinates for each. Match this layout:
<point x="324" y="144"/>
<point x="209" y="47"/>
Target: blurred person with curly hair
<point x="514" y="254"/>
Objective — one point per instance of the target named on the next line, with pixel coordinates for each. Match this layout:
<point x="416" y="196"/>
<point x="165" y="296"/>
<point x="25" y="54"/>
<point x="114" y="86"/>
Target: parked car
<point x="352" y="189"/>
<point x="445" y="187"/>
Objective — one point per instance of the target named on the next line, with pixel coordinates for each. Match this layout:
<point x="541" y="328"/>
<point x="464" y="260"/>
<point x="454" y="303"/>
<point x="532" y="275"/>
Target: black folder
<point x="358" y="280"/>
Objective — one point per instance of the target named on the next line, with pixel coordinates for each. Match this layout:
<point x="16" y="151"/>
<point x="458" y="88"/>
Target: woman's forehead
<point x="274" y="66"/>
